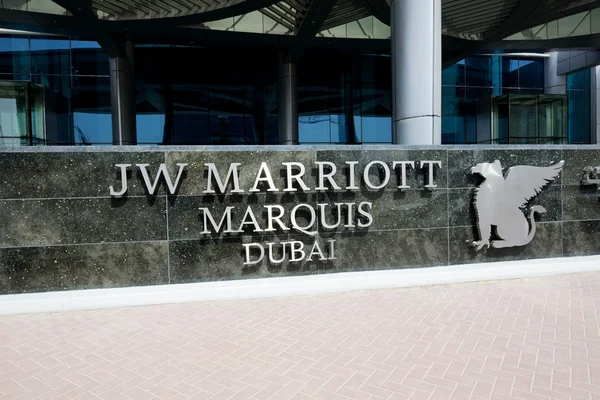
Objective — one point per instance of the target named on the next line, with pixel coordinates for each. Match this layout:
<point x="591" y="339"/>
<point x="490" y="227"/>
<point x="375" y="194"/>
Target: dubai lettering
<point x="304" y="218"/>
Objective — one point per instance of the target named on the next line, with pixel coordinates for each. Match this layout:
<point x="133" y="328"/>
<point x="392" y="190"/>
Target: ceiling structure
<point x="466" y="24"/>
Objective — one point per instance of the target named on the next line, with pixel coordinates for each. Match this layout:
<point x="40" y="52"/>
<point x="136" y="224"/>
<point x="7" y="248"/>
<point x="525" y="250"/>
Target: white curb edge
<point x="290" y="286"/>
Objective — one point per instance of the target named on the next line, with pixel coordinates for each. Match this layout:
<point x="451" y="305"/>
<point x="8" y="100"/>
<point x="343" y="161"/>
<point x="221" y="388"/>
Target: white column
<point x="417" y="71"/>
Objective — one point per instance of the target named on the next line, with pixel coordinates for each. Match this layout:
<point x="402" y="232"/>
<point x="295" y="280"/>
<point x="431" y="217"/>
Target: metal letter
<point x="316" y="250"/>
<point x="351" y="180"/>
<point x="123" y="168"/>
<point x="162" y="170"/>
<point x="313" y="217"/>
<point x="500" y="201"/>
<point x="233" y="172"/>
<point x="329" y="176"/>
<point x="208" y="218"/>
<point x="249" y="213"/>
<point x="247" y="247"/>
<point x="324" y="223"/>
<point x="291" y="176"/>
<point x="431" y="164"/>
<point x="365" y="214"/>
<point x="271" y="259"/>
<point x="386" y="179"/>
<point x="297" y="250"/>
<point x="276" y="218"/>
<point x="403" y="164"/>
<point x="331" y="249"/>
<point x="264" y="168"/>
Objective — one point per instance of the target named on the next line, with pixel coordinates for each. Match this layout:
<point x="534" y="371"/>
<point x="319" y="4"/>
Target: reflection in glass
<point x="50" y="56"/>
<point x="579" y="119"/>
<point x="14" y="57"/>
<point x="89" y="58"/>
<point x="529" y="119"/>
<point x="13" y="115"/>
<point x="92" y="118"/>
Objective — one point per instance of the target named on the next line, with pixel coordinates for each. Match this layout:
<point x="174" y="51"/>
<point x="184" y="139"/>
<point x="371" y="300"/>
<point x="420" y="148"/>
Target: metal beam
<point x="380" y="9"/>
<point x="523" y="12"/>
<point x="311" y="24"/>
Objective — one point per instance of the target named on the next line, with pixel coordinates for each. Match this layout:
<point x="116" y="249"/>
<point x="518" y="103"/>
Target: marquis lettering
<point x="303" y="218"/>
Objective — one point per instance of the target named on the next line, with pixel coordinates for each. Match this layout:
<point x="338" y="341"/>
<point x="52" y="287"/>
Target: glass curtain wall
<point x="469" y="86"/>
<point x="72" y="105"/>
<point x="190" y="95"/>
<point x="579" y="119"/>
<point x="344" y="98"/>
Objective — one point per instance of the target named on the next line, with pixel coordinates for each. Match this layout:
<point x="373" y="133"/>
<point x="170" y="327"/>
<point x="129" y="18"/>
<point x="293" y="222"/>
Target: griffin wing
<point x="523" y="183"/>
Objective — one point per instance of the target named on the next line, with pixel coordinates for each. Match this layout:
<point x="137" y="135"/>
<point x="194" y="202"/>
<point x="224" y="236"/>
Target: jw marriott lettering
<point x="304" y="218"/>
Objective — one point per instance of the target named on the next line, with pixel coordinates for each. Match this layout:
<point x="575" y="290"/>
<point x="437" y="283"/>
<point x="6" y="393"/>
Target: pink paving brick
<point x="534" y="338"/>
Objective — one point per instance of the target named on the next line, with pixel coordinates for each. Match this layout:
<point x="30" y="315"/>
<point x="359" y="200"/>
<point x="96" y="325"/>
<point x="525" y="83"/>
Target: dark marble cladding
<point x="546" y="243"/>
<point x="62" y="199"/>
<point x="390" y="209"/>
<point x="195" y="181"/>
<point x="223" y="259"/>
<point x="581" y="203"/>
<point x="460" y="162"/>
<point x="581" y="238"/>
<point x="417" y="178"/>
<point x="186" y="220"/>
<point x="61" y="175"/>
<point x="72" y="221"/>
<point x="416" y="248"/>
<point x="576" y="161"/>
<point x="42" y="269"/>
<point x="462" y="209"/>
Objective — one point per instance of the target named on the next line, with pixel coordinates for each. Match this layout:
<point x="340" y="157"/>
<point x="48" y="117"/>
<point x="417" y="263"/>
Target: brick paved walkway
<point x="523" y="339"/>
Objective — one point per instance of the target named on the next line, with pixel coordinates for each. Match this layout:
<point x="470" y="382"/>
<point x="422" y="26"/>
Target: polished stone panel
<point x="223" y="259"/>
<point x="42" y="269"/>
<point x="461" y="211"/>
<point x="581" y="238"/>
<point x="461" y="161"/>
<point x="576" y="161"/>
<point x="581" y="203"/>
<point x="78" y="174"/>
<point x="61" y="225"/>
<point x="417" y="178"/>
<point x="414" y="248"/>
<point x="186" y="220"/>
<point x="546" y="243"/>
<point x="390" y="210"/>
<point x="197" y="173"/>
<point x="72" y="221"/>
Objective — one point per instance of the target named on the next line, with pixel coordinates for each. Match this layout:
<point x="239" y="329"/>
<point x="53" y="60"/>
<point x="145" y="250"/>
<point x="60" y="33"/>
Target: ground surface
<point x="532" y="338"/>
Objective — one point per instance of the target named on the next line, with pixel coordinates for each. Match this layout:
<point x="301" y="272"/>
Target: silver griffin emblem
<point x="502" y="202"/>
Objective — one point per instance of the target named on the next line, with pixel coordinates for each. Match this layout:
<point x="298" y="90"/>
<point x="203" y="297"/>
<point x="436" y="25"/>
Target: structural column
<point x="287" y="98"/>
<point x="417" y="71"/>
<point x="122" y="98"/>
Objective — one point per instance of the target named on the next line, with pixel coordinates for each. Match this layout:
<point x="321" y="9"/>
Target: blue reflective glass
<point x="579" y="107"/>
<point x="150" y="128"/>
<point x="92" y="118"/>
<point x="453" y="75"/>
<point x="478" y="71"/>
<point x="531" y="73"/>
<point x="510" y="72"/>
<point x="50" y="56"/>
<point x="314" y="129"/>
<point x="376" y="114"/>
<point x="314" y="115"/>
<point x="453" y="127"/>
<point x="89" y="58"/>
<point x="14" y="57"/>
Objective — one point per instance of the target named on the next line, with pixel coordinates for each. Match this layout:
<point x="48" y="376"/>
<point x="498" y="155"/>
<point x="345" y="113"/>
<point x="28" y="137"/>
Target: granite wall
<point x="62" y="230"/>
